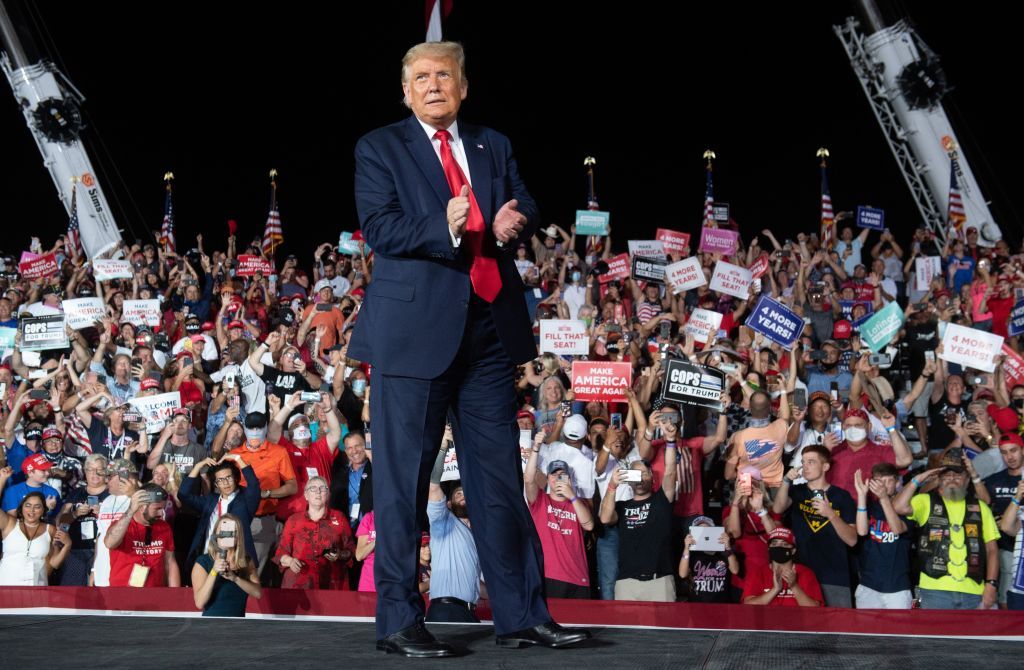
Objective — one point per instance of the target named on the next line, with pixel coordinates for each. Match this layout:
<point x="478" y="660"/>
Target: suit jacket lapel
<point x="479" y="170"/>
<point x="423" y="154"/>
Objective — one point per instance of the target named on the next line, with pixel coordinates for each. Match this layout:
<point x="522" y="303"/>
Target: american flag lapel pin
<point x="479" y="146"/>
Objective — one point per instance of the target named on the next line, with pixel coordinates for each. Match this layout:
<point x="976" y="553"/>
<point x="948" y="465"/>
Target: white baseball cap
<point x="575" y="427"/>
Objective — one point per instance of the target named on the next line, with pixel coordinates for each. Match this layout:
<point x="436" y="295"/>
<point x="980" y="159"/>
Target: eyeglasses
<point x="224" y="480"/>
<point x="317" y="489"/>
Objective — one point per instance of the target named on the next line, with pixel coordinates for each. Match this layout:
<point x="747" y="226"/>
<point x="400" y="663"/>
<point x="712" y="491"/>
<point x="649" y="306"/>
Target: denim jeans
<point x="948" y="600"/>
<point x="608" y="561"/>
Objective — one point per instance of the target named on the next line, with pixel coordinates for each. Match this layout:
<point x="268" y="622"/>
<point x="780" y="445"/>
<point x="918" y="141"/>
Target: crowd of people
<point x="828" y="475"/>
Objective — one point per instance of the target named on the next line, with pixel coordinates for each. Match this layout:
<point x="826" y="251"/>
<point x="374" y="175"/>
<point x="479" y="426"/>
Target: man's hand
<point x="458" y="212"/>
<point x="823" y="507"/>
<point x="508" y="222"/>
<point x="139" y="498"/>
<point x="788" y="573"/>
<point x="564" y="489"/>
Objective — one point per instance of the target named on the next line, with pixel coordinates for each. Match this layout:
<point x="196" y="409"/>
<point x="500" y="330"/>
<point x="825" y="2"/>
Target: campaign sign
<point x="649" y="269"/>
<point x="1013" y="367"/>
<point x="601" y="381"/>
<point x="590" y="222"/>
<point x="731" y="280"/>
<point x="684" y="275"/>
<point x="618" y="268"/>
<point x="673" y="241"/>
<point x="646" y="248"/>
<point x="565" y="337"/>
<point x="350" y="247"/>
<point x="718" y="241"/>
<point x="720" y="211"/>
<point x="924" y="270"/>
<point x="83" y="312"/>
<point x="39" y="333"/>
<point x="702" y="323"/>
<point x="156" y="409"/>
<point x="451" y="465"/>
<point x="7" y="337"/>
<point x="869" y="217"/>
<point x="249" y="265"/>
<point x="776" y="322"/>
<point x="970" y="347"/>
<point x="759" y="266"/>
<point x="40" y="267"/>
<point x="878" y="331"/>
<point x="105" y="269"/>
<point x="1017" y="319"/>
<point x="141" y="312"/>
<point x="692" y="384"/>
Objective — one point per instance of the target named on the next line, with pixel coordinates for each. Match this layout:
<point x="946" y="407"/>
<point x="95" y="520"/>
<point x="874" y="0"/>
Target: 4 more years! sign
<point x="601" y="381"/>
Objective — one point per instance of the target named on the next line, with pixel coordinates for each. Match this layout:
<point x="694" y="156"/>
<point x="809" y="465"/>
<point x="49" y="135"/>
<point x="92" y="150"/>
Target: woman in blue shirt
<point x="225" y="576"/>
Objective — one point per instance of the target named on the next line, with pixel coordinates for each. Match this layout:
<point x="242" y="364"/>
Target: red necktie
<point x="483" y="272"/>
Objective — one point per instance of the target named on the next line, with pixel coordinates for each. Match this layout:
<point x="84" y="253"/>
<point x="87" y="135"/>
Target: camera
<point x="309" y="396"/>
<point x="131" y="417"/>
<point x="630" y="475"/>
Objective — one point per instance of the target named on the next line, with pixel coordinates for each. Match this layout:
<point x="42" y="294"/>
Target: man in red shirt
<point x="782" y="582"/>
<point x="141" y="543"/>
<point x="309" y="458"/>
<point x="1001" y="304"/>
<point x="857" y="452"/>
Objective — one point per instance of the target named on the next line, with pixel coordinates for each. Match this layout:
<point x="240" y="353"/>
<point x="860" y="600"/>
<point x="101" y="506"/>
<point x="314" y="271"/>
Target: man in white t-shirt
<point x="252" y="388"/>
<point x="573" y="451"/>
<point x="122" y="482"/>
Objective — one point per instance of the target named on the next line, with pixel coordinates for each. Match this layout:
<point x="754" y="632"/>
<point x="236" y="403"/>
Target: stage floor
<point x="111" y="642"/>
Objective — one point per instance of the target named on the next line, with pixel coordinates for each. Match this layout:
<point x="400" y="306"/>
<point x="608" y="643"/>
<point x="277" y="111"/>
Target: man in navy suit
<point x="444" y="324"/>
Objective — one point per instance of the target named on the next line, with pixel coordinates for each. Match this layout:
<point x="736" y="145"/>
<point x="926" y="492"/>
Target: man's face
<point x="953" y="484"/>
<point x="288" y="360"/>
<point x="54" y="445"/>
<point x="317" y="494"/>
<point x="192" y="293"/>
<point x="224" y="480"/>
<point x="235" y="436"/>
<point x="36" y="477"/>
<point x="814" y="466"/>
<point x="330" y="270"/>
<point x="239" y="351"/>
<point x="889" y="482"/>
<point x="955" y="388"/>
<point x="180" y="425"/>
<point x="122" y="366"/>
<point x="326" y="294"/>
<point x="5" y="309"/>
<point x="1012" y="455"/>
<point x="646" y="482"/>
<point x="457" y="504"/>
<point x="854" y="422"/>
<point x="847" y="234"/>
<point x="820" y="411"/>
<point x="525" y="424"/>
<point x="435" y="90"/>
<point x="355" y="449"/>
<point x="831" y="354"/>
<point x="152" y="512"/>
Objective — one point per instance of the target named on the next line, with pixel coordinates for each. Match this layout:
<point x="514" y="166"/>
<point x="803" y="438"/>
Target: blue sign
<point x="1017" y="319"/>
<point x="776" y="322"/>
<point x="846" y="306"/>
<point x="869" y="217"/>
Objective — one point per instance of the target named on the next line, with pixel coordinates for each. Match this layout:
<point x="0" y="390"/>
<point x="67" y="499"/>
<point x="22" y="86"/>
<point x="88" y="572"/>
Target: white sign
<point x="731" y="280"/>
<point x="451" y="466"/>
<point x="82" y="313"/>
<point x="564" y="337"/>
<point x="105" y="269"/>
<point x="684" y="275"/>
<point x="925" y="268"/>
<point x="702" y="323"/>
<point x="141" y="312"/>
<point x="156" y="409"/>
<point x="647" y="248"/>
<point x="970" y="347"/>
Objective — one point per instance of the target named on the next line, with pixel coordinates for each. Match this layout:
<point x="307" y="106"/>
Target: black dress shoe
<point x="545" y="635"/>
<point x="415" y="642"/>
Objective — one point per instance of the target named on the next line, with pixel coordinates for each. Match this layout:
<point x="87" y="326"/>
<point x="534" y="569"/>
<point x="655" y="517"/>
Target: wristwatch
<point x="994" y="583"/>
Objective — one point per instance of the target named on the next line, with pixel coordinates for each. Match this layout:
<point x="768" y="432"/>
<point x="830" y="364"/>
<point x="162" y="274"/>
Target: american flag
<point x="273" y="235"/>
<point x="709" y="201"/>
<point x="956" y="215"/>
<point x="828" y="223"/>
<point x="74" y="233"/>
<point x="167" y="227"/>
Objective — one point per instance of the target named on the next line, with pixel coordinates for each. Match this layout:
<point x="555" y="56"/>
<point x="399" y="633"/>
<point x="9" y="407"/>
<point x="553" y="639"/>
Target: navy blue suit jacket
<point x="243" y="506"/>
<point x="414" y="315"/>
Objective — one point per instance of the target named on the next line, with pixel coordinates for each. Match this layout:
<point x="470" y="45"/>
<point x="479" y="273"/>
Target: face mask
<point x="358" y="386"/>
<point x="776" y="395"/>
<point x="758" y="423"/>
<point x="1018" y="403"/>
<point x="314" y="430"/>
<point x="301" y="433"/>
<point x="576" y="276"/>
<point x="780" y="554"/>
<point x="856" y="434"/>
<point x="255" y="435"/>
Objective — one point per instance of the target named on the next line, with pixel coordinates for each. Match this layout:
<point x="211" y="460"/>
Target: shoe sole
<point x="518" y="642"/>
<point x="439" y="653"/>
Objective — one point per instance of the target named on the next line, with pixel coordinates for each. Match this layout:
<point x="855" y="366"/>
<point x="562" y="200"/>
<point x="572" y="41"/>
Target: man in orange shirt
<point x="274" y="469"/>
<point x="761" y="444"/>
<point x="324" y="312"/>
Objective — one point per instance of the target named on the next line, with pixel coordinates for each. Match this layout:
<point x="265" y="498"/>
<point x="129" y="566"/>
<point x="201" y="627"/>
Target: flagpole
<point x="588" y="163"/>
<point x="827" y="229"/>
<point x="168" y="180"/>
<point x="709" y="219"/>
<point x="74" y="206"/>
<point x="273" y="207"/>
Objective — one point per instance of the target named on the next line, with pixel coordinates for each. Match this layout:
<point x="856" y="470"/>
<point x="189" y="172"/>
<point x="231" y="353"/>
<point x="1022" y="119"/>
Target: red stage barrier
<point x="285" y="603"/>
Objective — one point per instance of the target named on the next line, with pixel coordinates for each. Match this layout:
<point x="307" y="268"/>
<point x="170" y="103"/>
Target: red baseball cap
<point x="1011" y="438"/>
<point x="235" y="324"/>
<point x="149" y="383"/>
<point x="52" y="433"/>
<point x="524" y="414"/>
<point x="1006" y="419"/>
<point x="842" y="330"/>
<point x="782" y="533"/>
<point x="35" y="462"/>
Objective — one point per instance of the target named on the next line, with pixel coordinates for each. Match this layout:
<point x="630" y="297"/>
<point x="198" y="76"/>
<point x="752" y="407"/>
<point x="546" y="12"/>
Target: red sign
<point x="674" y="241"/>
<point x="1013" y="367"/>
<point x="760" y="266"/>
<point x="249" y="265"/>
<point x="44" y="266"/>
<point x="618" y="268"/>
<point x="601" y="382"/>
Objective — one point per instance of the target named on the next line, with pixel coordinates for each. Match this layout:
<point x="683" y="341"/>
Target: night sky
<point x="220" y="98"/>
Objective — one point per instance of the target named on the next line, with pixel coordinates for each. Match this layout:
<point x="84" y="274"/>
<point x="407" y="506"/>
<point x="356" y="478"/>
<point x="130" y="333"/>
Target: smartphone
<point x="619" y="312"/>
<point x="131" y="417"/>
<point x="324" y="306"/>
<point x="229" y="381"/>
<point x="929" y="356"/>
<point x="745" y="484"/>
<point x="800" y="398"/>
<point x="920" y="306"/>
<point x="3" y="389"/>
<point x="566" y="408"/>
<point x="833" y="388"/>
<point x="729" y="368"/>
<point x="616" y="420"/>
<point x="882" y="360"/>
<point x="665" y="329"/>
<point x="38" y="394"/>
<point x="235" y="401"/>
<point x="186" y="361"/>
<point x="631" y="475"/>
<point x="92" y="500"/>
<point x="181" y="266"/>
